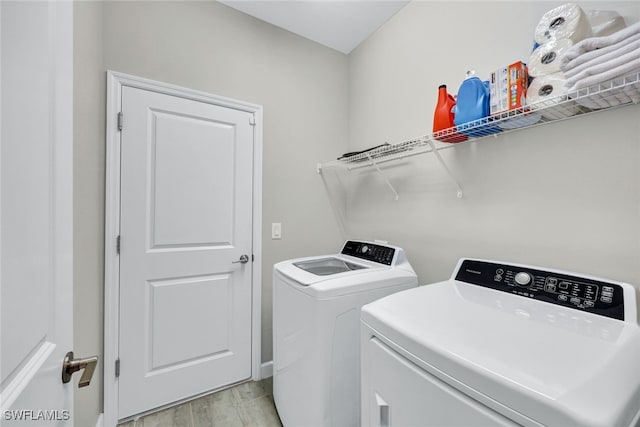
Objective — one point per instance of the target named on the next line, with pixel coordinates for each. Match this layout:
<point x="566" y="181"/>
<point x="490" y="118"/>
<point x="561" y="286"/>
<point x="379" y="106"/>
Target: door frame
<point x="115" y="83"/>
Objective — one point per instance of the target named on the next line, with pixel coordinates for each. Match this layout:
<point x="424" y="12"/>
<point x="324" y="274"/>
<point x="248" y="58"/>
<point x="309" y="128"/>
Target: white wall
<point x="207" y="46"/>
<point x="564" y="195"/>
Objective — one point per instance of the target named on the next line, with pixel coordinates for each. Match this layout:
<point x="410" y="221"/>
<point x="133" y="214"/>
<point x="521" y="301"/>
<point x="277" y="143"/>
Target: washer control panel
<point x="369" y="251"/>
<point x="580" y="293"/>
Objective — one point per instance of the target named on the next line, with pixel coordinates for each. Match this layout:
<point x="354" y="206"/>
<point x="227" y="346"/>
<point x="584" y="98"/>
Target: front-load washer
<point x="502" y="344"/>
<point x="316" y="324"/>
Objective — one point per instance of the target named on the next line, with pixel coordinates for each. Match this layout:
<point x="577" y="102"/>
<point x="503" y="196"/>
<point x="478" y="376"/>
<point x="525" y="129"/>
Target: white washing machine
<point x="316" y="329"/>
<point x="503" y="345"/>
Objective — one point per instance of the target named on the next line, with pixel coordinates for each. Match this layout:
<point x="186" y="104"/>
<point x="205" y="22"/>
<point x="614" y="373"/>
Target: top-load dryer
<point x="503" y="344"/>
<point x="316" y="320"/>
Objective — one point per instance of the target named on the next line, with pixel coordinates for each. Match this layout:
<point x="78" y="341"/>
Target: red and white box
<point x="508" y="88"/>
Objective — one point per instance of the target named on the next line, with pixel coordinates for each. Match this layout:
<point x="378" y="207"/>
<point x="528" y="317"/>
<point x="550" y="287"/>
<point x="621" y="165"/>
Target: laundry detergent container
<point x="472" y="108"/>
<point x="316" y="329"/>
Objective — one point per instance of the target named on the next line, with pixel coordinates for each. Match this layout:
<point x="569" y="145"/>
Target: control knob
<point x="523" y="279"/>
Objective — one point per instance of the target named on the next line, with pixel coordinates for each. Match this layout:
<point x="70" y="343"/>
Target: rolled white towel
<point x="593" y="43"/>
<point x="596" y="62"/>
<point x="588" y="56"/>
<point x="621" y="70"/>
<point x="604" y="67"/>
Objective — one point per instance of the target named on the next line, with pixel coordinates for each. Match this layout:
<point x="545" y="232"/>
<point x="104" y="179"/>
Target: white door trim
<point x="115" y="82"/>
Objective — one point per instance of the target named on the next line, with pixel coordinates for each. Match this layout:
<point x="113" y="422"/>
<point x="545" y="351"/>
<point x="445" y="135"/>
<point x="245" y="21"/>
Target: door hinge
<point x="120" y="119"/>
<point x="252" y="120"/>
<point x="117" y="368"/>
<point x="118" y="244"/>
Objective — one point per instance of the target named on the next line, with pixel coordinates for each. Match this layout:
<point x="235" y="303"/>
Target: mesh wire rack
<point x="618" y="92"/>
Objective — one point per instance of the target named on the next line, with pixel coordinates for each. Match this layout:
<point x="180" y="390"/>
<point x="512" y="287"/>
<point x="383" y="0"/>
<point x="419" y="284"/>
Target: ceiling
<point x="338" y="24"/>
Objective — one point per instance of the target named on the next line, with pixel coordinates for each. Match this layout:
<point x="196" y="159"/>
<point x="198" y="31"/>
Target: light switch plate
<point x="276" y="230"/>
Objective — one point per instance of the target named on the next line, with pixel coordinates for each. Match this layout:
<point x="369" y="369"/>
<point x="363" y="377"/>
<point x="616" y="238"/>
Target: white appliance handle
<point x="383" y="411"/>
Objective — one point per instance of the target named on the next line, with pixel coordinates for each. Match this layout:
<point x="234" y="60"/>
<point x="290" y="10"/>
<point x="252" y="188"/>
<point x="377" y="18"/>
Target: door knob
<point x="71" y="365"/>
<point x="243" y="259"/>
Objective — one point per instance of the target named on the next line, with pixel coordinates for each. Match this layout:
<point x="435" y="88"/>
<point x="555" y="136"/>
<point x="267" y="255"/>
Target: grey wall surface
<point x="564" y="195"/>
<point x="88" y="202"/>
<point x="209" y="47"/>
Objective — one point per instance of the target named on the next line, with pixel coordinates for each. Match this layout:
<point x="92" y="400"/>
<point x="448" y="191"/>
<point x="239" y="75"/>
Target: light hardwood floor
<point x="245" y="405"/>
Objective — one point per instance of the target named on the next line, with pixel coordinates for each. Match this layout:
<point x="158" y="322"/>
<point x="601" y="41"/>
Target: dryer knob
<point x="523" y="279"/>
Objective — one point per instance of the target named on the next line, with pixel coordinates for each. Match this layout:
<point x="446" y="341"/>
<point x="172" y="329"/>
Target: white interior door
<point x="36" y="211"/>
<point x="186" y="219"/>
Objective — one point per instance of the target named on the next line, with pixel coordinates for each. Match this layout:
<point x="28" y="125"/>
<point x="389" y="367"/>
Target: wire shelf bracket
<point x="384" y="177"/>
<point x="445" y="167"/>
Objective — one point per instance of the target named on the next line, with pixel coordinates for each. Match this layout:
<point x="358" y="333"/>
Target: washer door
<point x="327" y="266"/>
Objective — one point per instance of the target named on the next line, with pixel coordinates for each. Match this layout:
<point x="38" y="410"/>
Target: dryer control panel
<point x="369" y="251"/>
<point x="576" y="292"/>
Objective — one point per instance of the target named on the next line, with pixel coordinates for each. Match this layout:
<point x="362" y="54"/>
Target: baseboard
<point x="266" y="370"/>
<point x="100" y="420"/>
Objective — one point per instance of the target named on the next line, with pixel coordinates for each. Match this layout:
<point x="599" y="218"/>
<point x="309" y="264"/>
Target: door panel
<point x="192" y="297"/>
<point x="36" y="211"/>
<point x="186" y="216"/>
<point x="192" y="181"/>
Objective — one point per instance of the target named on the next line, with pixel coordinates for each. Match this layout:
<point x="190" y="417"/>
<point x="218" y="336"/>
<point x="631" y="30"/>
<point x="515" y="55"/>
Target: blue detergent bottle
<point x="472" y="108"/>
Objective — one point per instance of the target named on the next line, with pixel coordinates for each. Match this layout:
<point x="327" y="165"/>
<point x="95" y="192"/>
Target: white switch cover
<point x="276" y="230"/>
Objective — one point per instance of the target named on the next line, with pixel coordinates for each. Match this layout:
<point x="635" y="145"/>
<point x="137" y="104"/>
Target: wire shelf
<point x="618" y="92"/>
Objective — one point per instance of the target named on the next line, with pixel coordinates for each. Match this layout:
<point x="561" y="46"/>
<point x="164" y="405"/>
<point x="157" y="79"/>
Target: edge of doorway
<point x="115" y="82"/>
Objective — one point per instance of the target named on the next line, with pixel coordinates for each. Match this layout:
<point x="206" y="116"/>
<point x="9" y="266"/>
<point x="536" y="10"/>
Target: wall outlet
<point x="276" y="230"/>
